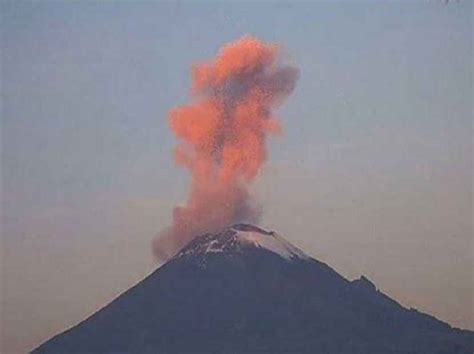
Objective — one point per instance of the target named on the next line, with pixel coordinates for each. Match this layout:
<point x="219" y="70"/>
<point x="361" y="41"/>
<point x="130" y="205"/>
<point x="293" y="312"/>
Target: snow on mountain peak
<point x="270" y="241"/>
<point x="239" y="237"/>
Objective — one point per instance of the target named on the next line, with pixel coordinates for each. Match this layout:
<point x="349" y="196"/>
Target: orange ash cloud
<point x="222" y="137"/>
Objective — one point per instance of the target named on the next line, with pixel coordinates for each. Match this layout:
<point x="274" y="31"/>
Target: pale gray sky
<point x="373" y="174"/>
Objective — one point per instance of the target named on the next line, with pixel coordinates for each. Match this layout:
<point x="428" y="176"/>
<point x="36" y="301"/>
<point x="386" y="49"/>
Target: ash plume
<point x="222" y="137"/>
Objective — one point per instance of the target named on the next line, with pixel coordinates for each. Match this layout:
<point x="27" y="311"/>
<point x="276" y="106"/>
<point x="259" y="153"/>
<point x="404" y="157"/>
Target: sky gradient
<point x="372" y="175"/>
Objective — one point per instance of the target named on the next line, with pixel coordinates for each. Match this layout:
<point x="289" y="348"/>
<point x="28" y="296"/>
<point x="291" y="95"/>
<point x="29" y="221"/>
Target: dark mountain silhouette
<point x="246" y="290"/>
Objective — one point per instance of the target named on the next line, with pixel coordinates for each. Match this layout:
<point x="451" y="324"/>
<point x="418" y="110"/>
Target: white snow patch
<point x="214" y="247"/>
<point x="274" y="243"/>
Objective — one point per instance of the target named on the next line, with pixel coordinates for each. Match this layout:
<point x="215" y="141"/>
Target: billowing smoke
<point x="222" y="135"/>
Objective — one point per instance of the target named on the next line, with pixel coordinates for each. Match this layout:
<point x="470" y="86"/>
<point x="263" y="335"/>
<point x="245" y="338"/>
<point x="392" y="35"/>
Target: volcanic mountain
<point x="247" y="290"/>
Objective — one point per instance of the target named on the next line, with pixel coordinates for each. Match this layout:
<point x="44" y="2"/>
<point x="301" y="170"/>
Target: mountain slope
<point x="246" y="290"/>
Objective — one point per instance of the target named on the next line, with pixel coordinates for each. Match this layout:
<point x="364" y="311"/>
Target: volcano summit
<point x="247" y="290"/>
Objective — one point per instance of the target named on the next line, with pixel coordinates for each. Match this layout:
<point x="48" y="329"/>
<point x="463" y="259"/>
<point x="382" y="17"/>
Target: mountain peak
<point x="237" y="239"/>
<point x="248" y="290"/>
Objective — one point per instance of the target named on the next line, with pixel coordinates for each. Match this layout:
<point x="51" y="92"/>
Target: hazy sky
<point x="373" y="174"/>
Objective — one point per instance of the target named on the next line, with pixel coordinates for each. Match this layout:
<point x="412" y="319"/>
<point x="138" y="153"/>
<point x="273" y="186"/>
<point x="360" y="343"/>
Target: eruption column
<point x="222" y="135"/>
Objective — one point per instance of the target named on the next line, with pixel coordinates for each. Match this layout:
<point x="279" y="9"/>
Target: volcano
<point x="247" y="290"/>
